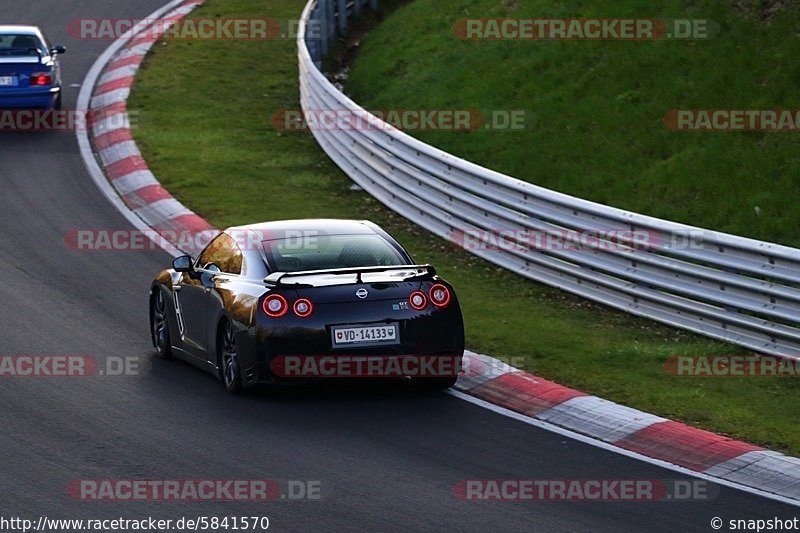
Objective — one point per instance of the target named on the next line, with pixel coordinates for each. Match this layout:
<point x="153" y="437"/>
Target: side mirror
<point x="183" y="264"/>
<point x="58" y="49"/>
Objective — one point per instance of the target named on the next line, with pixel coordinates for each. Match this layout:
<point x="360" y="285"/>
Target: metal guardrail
<point x="732" y="288"/>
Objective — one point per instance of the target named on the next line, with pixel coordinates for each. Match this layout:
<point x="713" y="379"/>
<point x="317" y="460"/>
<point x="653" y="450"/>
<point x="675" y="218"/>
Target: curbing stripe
<point x="188" y="222"/>
<point x="684" y="445"/>
<point x="120" y="83"/>
<point x="110" y="124"/>
<point x="147" y="195"/>
<point x="115" y="74"/>
<point x="113" y="97"/>
<point x="599" y="418"/>
<point x="117" y="152"/>
<point x="126" y="62"/>
<point x="126" y="166"/>
<point x="162" y="211"/>
<point x="135" y="180"/>
<point x="766" y="470"/>
<point x="104" y="140"/>
<point x="479" y="368"/>
<point x="524" y="393"/>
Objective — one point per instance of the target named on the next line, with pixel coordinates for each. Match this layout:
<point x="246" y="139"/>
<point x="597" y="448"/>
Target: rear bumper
<point x="353" y="366"/>
<point x="33" y="99"/>
<point x="435" y="339"/>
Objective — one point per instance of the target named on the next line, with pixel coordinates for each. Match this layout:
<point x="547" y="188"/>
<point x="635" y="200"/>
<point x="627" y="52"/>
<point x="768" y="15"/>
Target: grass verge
<point x="597" y="107"/>
<point x="205" y="127"/>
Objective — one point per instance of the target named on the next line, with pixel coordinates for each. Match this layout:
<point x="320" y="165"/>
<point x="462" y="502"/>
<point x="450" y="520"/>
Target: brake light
<point x="275" y="305"/>
<point x="418" y="300"/>
<point x="40" y="79"/>
<point x="303" y="308"/>
<point x="440" y="295"/>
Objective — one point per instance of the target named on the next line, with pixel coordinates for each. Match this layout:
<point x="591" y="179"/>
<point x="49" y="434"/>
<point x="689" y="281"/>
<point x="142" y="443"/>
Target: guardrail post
<point x="322" y="29"/>
<point x="330" y="20"/>
<point x="342" y="5"/>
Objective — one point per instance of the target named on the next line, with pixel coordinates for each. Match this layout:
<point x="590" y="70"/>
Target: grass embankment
<point x="597" y="107"/>
<point x="205" y="127"/>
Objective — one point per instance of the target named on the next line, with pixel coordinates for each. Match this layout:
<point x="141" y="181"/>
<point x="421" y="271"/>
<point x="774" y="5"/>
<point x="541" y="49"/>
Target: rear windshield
<point x="323" y="252"/>
<point x="20" y="45"/>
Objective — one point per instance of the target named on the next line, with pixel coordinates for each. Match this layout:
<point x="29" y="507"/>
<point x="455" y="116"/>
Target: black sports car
<point x="284" y="302"/>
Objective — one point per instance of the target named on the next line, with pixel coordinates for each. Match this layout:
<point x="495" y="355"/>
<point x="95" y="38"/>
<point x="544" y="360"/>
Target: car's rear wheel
<point x="57" y="105"/>
<point x="159" y="326"/>
<point x="429" y="384"/>
<point x="230" y="369"/>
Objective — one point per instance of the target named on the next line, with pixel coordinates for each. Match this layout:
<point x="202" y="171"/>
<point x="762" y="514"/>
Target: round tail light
<point x="303" y="308"/>
<point x="440" y="295"/>
<point x="275" y="305"/>
<point x="418" y="300"/>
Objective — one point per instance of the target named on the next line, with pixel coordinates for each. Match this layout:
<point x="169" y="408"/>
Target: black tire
<point x="159" y="327"/>
<point x="432" y="384"/>
<point x="57" y="104"/>
<point x="230" y="371"/>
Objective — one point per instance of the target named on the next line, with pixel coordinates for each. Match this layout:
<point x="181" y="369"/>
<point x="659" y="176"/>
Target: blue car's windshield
<point x="322" y="252"/>
<point x="20" y="45"/>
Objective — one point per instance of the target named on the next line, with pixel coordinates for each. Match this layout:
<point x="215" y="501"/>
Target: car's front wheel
<point x="229" y="366"/>
<point x="158" y="325"/>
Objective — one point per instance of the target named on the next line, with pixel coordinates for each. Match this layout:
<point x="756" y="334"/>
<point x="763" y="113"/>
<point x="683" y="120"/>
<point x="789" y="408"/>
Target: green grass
<point x="597" y="107"/>
<point x="205" y="127"/>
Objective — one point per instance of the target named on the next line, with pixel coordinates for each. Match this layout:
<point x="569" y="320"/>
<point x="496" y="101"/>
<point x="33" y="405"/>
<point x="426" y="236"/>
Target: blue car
<point x="30" y="75"/>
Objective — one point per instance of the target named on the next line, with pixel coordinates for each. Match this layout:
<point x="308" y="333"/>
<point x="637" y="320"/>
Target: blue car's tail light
<point x="40" y="79"/>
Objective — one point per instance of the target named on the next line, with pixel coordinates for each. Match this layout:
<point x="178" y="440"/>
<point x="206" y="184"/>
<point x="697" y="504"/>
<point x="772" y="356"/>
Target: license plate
<point x="365" y="335"/>
<point x="8" y="81"/>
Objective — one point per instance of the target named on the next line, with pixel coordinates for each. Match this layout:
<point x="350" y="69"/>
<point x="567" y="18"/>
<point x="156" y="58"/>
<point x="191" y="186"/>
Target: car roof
<point x="12" y="29"/>
<point x="327" y="225"/>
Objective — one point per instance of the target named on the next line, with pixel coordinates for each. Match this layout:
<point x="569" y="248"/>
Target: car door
<point x="220" y="292"/>
<point x="194" y="295"/>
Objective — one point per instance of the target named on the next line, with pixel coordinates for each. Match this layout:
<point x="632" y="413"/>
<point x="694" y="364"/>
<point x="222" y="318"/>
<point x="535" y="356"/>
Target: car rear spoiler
<point x="277" y="279"/>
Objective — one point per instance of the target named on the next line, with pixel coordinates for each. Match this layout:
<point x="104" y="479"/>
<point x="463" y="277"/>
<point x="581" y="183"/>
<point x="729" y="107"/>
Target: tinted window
<point x="324" y="252"/>
<point x="224" y="253"/>
<point x="20" y="45"/>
